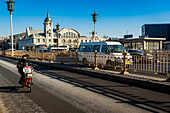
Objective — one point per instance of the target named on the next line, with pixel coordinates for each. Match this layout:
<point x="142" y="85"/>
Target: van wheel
<point x="84" y="61"/>
<point x="108" y="63"/>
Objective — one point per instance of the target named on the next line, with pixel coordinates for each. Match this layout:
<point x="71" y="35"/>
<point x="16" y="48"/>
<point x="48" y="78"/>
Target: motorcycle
<point x="28" y="71"/>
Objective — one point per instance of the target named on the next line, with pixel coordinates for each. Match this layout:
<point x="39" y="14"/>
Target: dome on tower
<point x="48" y="19"/>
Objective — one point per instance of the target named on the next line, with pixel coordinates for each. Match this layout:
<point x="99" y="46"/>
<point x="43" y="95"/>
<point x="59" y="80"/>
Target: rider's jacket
<point x="22" y="63"/>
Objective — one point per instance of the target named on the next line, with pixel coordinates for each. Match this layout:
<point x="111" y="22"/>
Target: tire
<point x="29" y="87"/>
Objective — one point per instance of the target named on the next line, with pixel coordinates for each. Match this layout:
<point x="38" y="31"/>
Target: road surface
<point x="59" y="91"/>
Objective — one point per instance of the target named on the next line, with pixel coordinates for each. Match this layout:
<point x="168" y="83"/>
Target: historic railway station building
<point x="51" y="37"/>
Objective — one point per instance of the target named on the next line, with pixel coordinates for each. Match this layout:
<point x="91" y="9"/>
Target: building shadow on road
<point x="12" y="89"/>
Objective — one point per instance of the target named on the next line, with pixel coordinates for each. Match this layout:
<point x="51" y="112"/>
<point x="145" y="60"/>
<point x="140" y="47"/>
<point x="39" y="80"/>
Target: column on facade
<point x="160" y="45"/>
<point x="144" y="45"/>
<point x="130" y="45"/>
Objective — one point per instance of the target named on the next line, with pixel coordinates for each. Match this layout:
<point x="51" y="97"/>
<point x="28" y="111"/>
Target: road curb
<point x="151" y="85"/>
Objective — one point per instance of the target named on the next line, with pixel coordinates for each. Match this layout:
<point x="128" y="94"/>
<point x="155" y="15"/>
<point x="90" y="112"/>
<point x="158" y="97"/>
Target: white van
<point x="107" y="53"/>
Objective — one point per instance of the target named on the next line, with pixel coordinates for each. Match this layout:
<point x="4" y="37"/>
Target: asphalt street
<point x="59" y="91"/>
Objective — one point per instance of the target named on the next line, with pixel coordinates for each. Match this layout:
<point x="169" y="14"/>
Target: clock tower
<point x="48" y="30"/>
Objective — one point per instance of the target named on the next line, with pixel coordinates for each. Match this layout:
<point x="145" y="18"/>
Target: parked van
<point x="108" y="52"/>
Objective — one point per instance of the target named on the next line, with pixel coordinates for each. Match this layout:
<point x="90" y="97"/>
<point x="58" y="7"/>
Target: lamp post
<point x="94" y="20"/>
<point x="58" y="28"/>
<point x="10" y="5"/>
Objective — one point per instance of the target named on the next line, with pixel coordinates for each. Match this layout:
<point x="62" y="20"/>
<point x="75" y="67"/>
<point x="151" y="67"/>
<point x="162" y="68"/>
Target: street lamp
<point x="58" y="28"/>
<point x="94" y="20"/>
<point x="10" y="5"/>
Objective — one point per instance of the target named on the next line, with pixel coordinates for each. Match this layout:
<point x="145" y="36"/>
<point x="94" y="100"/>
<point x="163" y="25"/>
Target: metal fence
<point x="154" y="62"/>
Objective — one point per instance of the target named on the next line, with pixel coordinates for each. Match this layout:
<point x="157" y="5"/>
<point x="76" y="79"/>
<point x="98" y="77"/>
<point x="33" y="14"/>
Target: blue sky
<point x="116" y="17"/>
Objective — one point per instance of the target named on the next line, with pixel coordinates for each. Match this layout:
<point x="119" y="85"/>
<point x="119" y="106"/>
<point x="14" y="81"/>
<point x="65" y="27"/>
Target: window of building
<point x="43" y="40"/>
<point x="69" y="41"/>
<point x="63" y="41"/>
<point x="55" y="40"/>
<point x="75" y="41"/>
<point x="127" y="45"/>
<point x="69" y="35"/>
<point x="49" y="40"/>
<point x="152" y="45"/>
<point x="38" y="40"/>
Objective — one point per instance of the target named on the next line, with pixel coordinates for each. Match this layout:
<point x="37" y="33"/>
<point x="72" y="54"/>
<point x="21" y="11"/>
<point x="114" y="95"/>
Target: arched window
<point x="64" y="35"/>
<point x="38" y="40"/>
<point x="69" y="35"/>
<point x="69" y="41"/>
<point x="63" y="41"/>
<point x="75" y="41"/>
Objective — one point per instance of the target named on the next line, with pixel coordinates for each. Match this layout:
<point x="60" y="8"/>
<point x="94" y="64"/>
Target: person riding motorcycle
<point x="20" y="65"/>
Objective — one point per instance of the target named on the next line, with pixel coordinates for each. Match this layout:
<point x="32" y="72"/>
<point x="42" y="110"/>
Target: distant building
<point x="4" y="43"/>
<point x="143" y="43"/>
<point x="156" y="31"/>
<point x="1" y="42"/>
<point x="51" y="37"/>
<point x="16" y="37"/>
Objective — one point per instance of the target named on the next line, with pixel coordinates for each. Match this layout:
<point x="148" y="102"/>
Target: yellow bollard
<point x="36" y="56"/>
<point x="124" y="72"/>
<point x="62" y="57"/>
<point x="95" y="61"/>
<point x="42" y="56"/>
<point x="76" y="56"/>
<point x="51" y="61"/>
